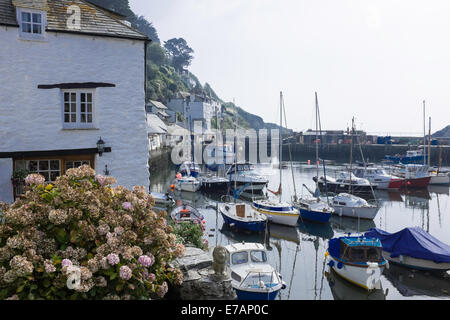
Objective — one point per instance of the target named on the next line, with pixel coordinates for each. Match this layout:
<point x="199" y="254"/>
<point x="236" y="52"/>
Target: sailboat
<point x="239" y="215"/>
<point x="314" y="209"/>
<point x="187" y="177"/>
<point x="349" y="205"/>
<point x="278" y="211"/>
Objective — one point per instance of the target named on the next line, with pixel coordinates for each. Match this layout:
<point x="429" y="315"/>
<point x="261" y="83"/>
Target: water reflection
<point x="298" y="252"/>
<point x="344" y="290"/>
<point x="418" y="283"/>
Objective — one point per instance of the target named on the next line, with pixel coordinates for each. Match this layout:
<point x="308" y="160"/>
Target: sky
<point x="376" y="61"/>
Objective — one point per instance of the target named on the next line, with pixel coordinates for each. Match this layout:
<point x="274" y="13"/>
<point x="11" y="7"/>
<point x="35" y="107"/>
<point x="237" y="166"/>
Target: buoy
<point x="172" y="186"/>
<point x="309" y="162"/>
<point x="178" y="176"/>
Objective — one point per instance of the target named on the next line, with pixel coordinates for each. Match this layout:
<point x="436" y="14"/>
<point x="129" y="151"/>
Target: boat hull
<point x="416" y="182"/>
<point x="358" y="275"/>
<point x="368" y="213"/>
<point x="188" y="186"/>
<point x="314" y="216"/>
<point x="214" y="186"/>
<point x="440" y="180"/>
<point x="250" y="295"/>
<point x="287" y="218"/>
<point x="415" y="263"/>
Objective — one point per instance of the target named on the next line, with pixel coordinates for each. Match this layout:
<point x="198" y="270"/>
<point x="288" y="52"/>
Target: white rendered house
<point x="72" y="75"/>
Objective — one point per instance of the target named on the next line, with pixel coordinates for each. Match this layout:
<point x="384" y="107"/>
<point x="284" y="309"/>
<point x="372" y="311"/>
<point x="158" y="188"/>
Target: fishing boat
<point x="414" y="175"/>
<point x="357" y="259"/>
<point x="186" y="213"/>
<point x="411" y="157"/>
<point x="345" y="182"/>
<point x="252" y="277"/>
<point x="314" y="209"/>
<point x="380" y="177"/>
<point x="349" y="205"/>
<point x="189" y="184"/>
<point x="243" y="216"/>
<point x="414" y="248"/>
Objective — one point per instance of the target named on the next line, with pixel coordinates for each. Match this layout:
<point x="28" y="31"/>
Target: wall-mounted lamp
<point x="100" y="146"/>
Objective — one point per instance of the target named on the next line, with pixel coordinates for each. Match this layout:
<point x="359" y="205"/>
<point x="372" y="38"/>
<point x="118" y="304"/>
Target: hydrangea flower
<point x="34" y="178"/>
<point x="146" y="261"/>
<point x="125" y="273"/>
<point x="127" y="206"/>
<point x="113" y="259"/>
<point x="66" y="262"/>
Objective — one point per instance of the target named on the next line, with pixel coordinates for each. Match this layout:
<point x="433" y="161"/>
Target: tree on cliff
<point x="179" y="53"/>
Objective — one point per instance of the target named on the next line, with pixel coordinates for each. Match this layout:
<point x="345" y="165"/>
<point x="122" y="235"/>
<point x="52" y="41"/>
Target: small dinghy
<point x="185" y="213"/>
<point x="352" y="206"/>
<point x="243" y="216"/>
<point x="251" y="276"/>
<point x="359" y="260"/>
<point x="414" y="248"/>
<point x="162" y="199"/>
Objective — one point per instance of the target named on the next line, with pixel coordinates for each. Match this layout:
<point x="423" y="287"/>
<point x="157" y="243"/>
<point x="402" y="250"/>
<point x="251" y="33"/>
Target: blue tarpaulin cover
<point x="414" y="242"/>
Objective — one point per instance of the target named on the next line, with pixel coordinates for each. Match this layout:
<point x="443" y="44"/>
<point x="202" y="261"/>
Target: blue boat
<point x="251" y="276"/>
<point x="314" y="210"/>
<point x="413" y="248"/>
<point x="189" y="169"/>
<point x="357" y="259"/>
<point x="411" y="157"/>
<point x="243" y="217"/>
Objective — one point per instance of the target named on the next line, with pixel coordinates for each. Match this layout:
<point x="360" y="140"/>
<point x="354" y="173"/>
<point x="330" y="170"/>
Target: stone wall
<point x="200" y="281"/>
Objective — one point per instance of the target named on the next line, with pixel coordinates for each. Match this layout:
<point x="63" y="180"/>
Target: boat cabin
<point x="356" y="249"/>
<point x="240" y="168"/>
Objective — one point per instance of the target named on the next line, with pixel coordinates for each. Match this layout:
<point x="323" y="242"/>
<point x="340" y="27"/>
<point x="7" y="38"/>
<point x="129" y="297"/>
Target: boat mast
<point x="429" y="142"/>
<point x="235" y="147"/>
<point x="280" y="157"/>
<point x="351" y="156"/>
<point x="317" y="192"/>
<point x="321" y="152"/>
<point x="424" y="141"/>
<point x="290" y="155"/>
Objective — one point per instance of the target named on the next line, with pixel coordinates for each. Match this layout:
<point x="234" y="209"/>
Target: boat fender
<point x="340" y="265"/>
<point x="331" y="263"/>
<point x="283" y="285"/>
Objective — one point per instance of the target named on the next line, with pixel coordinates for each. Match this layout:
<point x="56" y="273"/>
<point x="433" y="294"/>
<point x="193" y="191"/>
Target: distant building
<point x="194" y="107"/>
<point x="331" y="137"/>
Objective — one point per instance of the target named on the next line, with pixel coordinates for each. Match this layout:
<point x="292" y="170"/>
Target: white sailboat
<point x="278" y="211"/>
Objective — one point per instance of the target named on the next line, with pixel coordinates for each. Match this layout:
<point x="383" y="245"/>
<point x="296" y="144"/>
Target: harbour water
<point x="299" y="253"/>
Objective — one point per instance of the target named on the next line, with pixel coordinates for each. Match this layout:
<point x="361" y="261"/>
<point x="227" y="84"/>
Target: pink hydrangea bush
<point x="81" y="238"/>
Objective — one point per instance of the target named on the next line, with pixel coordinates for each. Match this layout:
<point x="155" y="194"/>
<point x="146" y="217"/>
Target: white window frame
<point x="27" y="35"/>
<point x="78" y="124"/>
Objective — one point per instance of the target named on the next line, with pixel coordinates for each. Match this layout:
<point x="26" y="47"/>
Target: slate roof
<point x="158" y="104"/>
<point x="155" y="125"/>
<point x="94" y="20"/>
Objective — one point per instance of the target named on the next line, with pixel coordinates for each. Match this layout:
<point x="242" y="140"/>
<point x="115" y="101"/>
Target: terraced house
<point x="72" y="92"/>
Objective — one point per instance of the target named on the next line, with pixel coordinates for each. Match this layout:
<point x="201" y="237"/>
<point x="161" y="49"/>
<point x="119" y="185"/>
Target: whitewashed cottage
<point x="72" y="92"/>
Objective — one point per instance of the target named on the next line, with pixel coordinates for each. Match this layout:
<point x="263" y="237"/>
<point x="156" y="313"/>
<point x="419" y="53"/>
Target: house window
<point x="78" y="109"/>
<point x="50" y="167"/>
<point x="31" y="24"/>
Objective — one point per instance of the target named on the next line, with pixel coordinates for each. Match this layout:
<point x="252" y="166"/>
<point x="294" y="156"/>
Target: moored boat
<point x="277" y="212"/>
<point x="380" y="177"/>
<point x="411" y="157"/>
<point x="241" y="175"/>
<point x="162" y="198"/>
<point x="349" y="205"/>
<point x="186" y="213"/>
<point x="243" y="216"/>
<point x="357" y="259"/>
<point x="252" y="277"/>
<point x="314" y="209"/>
<point x="345" y="182"/>
<point x="190" y="184"/>
<point x="414" y="248"/>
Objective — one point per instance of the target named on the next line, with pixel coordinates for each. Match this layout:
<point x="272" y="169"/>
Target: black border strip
<point x="49" y="153"/>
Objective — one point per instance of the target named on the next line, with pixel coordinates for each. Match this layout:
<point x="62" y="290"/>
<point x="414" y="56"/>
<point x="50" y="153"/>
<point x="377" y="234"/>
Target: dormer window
<point x="31" y="23"/>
